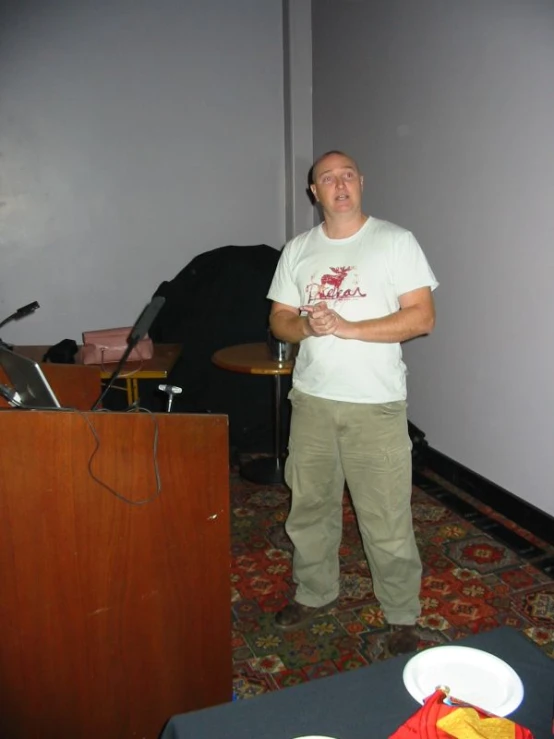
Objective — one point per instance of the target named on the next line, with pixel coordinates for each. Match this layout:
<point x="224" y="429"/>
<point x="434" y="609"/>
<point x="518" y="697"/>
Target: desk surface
<point x="252" y="359"/>
<point x="165" y="356"/>
<point x="368" y="703"/>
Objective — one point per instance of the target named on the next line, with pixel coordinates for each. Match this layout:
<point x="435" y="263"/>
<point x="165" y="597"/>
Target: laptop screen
<point x="28" y="381"/>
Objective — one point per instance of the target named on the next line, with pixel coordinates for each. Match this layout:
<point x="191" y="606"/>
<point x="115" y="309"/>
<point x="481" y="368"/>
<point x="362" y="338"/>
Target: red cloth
<point x="423" y="724"/>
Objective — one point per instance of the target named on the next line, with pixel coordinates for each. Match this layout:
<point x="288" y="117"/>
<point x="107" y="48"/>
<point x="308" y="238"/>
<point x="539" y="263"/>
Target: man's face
<point x="338" y="185"/>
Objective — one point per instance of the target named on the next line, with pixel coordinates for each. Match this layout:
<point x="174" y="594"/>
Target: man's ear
<point x="314" y="193"/>
<point x="362" y="181"/>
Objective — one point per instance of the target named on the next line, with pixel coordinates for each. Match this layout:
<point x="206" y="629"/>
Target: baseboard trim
<point x="516" y="509"/>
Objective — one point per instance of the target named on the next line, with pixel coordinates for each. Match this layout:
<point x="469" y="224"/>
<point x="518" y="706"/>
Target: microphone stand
<point x="26" y="310"/>
<point x="140" y="329"/>
<point x="115" y="374"/>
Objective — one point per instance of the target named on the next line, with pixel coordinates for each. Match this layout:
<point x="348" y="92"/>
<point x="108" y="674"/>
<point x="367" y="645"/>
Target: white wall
<point x="297" y="53"/>
<point x="449" y="107"/>
<point x="133" y="136"/>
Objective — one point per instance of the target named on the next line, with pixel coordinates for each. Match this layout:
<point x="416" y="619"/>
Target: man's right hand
<point x="321" y="320"/>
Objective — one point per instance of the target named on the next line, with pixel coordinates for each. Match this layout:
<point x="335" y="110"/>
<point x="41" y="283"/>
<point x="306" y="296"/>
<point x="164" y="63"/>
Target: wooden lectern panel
<point x="113" y="616"/>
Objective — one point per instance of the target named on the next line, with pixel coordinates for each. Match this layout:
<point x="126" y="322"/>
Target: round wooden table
<point x="255" y="359"/>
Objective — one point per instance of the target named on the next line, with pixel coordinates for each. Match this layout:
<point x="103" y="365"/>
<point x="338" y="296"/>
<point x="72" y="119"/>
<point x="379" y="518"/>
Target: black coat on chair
<point x="218" y="300"/>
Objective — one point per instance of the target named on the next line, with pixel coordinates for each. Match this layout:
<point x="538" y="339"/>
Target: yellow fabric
<point x="464" y="723"/>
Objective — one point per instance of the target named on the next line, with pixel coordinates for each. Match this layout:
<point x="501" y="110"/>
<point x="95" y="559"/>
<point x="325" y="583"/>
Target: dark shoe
<point x="401" y="640"/>
<point x="295" y="615"/>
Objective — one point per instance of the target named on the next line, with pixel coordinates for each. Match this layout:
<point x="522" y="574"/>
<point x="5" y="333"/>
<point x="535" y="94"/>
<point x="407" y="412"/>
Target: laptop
<point x="30" y="388"/>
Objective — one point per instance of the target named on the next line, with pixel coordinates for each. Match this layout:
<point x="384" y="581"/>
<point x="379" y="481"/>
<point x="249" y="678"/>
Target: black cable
<point x="11" y="398"/>
<point x="119" y="496"/>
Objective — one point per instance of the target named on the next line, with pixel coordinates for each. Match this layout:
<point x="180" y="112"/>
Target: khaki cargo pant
<point x="369" y="446"/>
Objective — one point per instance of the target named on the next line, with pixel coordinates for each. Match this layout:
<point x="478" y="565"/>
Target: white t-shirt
<point x="359" y="277"/>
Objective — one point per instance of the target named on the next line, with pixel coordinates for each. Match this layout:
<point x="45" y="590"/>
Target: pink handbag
<point x="108" y="345"/>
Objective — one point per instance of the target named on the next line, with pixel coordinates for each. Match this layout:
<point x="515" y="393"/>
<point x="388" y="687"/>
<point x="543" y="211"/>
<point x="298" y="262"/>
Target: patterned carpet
<point x="480" y="571"/>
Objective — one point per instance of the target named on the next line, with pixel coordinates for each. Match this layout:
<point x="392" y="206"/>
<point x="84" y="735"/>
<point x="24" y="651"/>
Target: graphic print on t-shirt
<point x="340" y="283"/>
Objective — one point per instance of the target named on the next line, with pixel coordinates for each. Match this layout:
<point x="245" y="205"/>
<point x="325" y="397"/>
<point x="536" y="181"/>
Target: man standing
<point x="350" y="291"/>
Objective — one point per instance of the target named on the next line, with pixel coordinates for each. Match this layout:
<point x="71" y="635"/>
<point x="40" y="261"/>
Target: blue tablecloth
<point x="368" y="703"/>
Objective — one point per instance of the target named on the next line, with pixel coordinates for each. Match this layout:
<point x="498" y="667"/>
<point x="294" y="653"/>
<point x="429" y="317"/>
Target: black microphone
<point x="21" y="313"/>
<point x="145" y="320"/>
<point x="26" y="310"/>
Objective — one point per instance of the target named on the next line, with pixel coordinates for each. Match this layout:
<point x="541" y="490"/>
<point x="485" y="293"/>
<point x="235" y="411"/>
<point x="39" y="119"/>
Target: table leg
<point x="132" y="388"/>
<point x="269" y="470"/>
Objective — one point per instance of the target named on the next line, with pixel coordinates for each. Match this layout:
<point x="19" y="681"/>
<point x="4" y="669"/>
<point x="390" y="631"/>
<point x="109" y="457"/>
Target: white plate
<point x="472" y="675"/>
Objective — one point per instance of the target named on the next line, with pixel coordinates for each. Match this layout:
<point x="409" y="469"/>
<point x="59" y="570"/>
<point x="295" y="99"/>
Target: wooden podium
<point x="113" y="616"/>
